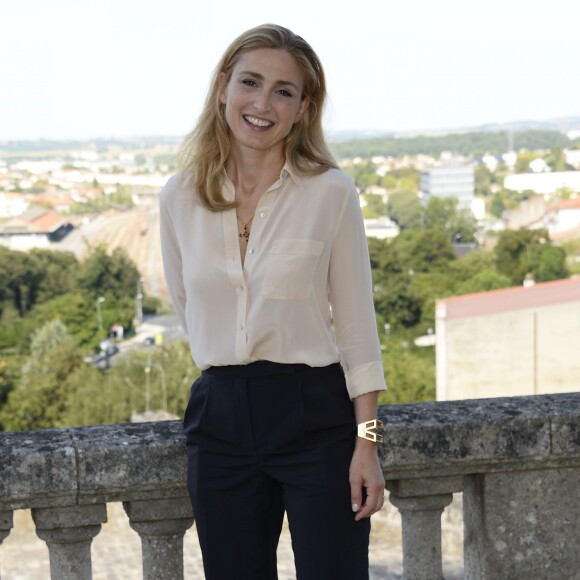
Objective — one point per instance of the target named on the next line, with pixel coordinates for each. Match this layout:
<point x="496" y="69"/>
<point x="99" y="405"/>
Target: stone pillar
<point x="421" y="503"/>
<point x="161" y="524"/>
<point x="5" y="524"/>
<point x="522" y="524"/>
<point x="68" y="532"/>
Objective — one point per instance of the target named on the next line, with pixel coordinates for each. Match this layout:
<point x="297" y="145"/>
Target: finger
<point x="368" y="506"/>
<point x="355" y="495"/>
<point x="373" y="503"/>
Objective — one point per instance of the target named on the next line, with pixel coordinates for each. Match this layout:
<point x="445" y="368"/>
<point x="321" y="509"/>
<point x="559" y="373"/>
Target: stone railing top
<point x="480" y="435"/>
<point x="144" y="461"/>
<point x="92" y="464"/>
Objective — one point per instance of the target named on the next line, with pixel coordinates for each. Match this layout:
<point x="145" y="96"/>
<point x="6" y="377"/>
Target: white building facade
<point x="453" y="179"/>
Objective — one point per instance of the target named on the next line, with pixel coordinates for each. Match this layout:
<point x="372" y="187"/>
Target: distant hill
<point x="553" y="131"/>
<point x="563" y="125"/>
<point x="474" y="143"/>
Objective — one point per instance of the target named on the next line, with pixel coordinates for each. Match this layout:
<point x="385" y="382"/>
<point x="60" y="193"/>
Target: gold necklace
<point x="246" y="232"/>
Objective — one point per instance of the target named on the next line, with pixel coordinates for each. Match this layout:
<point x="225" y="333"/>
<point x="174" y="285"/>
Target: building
<point x="381" y="228"/>
<point x="517" y="341"/>
<point x="572" y="157"/>
<point x="37" y="227"/>
<point x="453" y="179"/>
<point x="562" y="216"/>
<point x="528" y="212"/>
<point x="543" y="183"/>
<point x="12" y="204"/>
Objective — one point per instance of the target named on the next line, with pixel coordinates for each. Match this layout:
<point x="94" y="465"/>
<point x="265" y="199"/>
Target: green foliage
<point x="10" y="370"/>
<point x="39" y="401"/>
<point x="166" y="373"/>
<point x="43" y="285"/>
<point x="376" y="204"/>
<point x="404" y="207"/>
<point x="410" y="375"/>
<point x="521" y="252"/>
<point x="423" y="250"/>
<point x="74" y="310"/>
<point x="572" y="249"/>
<point x="463" y="143"/>
<point x="401" y="292"/>
<point x="547" y="262"/>
<point x="442" y="214"/>
<point x="484" y="281"/>
<point x="58" y="273"/>
<point x="108" y="274"/>
<point x="363" y="174"/>
<point x="20" y="277"/>
<point x="483" y="181"/>
<point x="523" y="161"/>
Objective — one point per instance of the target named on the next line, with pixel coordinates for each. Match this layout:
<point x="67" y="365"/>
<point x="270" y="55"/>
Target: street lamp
<point x="139" y="303"/>
<point x="100" y="300"/>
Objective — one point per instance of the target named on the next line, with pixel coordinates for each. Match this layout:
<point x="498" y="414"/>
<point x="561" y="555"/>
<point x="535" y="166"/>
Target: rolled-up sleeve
<point x="351" y="298"/>
<point x="171" y="252"/>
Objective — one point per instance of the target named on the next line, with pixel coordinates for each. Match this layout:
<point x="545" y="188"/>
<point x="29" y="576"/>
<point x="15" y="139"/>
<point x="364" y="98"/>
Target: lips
<point x="256" y="122"/>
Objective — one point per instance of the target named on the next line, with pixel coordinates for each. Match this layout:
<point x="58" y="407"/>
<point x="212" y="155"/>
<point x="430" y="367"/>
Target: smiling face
<point x="263" y="100"/>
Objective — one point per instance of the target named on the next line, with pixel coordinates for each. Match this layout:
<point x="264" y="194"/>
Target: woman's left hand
<point x="365" y="472"/>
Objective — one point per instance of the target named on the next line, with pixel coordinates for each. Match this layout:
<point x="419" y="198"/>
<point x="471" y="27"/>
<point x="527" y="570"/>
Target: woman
<point x="267" y="266"/>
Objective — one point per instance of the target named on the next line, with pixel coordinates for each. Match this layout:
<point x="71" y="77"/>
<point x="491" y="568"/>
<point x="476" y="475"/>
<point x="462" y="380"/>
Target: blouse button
<point x="263" y="214"/>
<point x="251" y="250"/>
<point x="241" y="327"/>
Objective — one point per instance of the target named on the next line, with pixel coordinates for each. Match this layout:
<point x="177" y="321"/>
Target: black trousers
<point x="262" y="439"/>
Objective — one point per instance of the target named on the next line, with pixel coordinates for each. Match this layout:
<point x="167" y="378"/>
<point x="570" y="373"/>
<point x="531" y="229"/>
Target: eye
<point x="249" y="82"/>
<point x="284" y="93"/>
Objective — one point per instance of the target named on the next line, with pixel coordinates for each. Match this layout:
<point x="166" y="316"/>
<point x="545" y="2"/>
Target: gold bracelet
<point x="369" y="430"/>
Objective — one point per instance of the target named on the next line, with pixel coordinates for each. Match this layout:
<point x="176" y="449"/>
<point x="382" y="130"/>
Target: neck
<point x="254" y="171"/>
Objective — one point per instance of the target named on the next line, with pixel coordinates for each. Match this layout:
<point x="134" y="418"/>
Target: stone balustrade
<point x="516" y="461"/>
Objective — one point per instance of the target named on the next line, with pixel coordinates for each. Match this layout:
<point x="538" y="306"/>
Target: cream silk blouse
<point x="304" y="294"/>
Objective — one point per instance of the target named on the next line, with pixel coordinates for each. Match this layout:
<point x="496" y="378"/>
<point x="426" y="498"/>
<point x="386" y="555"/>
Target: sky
<point x="81" y="69"/>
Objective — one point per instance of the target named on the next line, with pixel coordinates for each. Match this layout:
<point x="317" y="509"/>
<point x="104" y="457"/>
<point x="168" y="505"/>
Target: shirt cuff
<point x="365" y="379"/>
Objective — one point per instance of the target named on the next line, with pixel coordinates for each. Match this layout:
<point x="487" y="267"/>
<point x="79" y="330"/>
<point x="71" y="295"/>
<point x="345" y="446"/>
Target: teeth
<point x="257" y="122"/>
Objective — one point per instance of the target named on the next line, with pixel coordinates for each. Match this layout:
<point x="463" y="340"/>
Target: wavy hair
<point x="204" y="152"/>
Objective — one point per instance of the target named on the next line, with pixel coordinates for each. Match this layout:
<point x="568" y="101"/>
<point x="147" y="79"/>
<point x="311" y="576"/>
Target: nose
<point x="262" y="101"/>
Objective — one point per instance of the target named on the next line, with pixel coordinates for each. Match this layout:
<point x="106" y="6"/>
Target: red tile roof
<point x="48" y="222"/>
<point x="565" y="204"/>
<point x="509" y="299"/>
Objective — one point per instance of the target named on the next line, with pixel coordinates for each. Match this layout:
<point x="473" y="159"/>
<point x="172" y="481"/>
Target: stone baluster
<point x="5" y="524"/>
<point x="68" y="532"/>
<point x="421" y="503"/>
<point x="161" y="524"/>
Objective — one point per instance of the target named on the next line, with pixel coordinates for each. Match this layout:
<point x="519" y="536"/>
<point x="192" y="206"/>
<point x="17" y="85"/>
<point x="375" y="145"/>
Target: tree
<point x="424" y="250"/>
<point x="58" y="273"/>
<point x="410" y="377"/>
<point x="42" y="394"/>
<point x="523" y="161"/>
<point x="515" y="256"/>
<point x="111" y="397"/>
<point x="547" y="262"/>
<point x="20" y="277"/>
<point x="75" y="310"/>
<point x="442" y="213"/>
<point x="115" y="274"/>
<point x="484" y="281"/>
<point x="404" y="208"/>
<point x="375" y="204"/>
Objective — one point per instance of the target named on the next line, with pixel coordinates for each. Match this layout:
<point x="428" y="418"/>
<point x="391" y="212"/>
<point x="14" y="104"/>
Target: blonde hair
<point x="204" y="152"/>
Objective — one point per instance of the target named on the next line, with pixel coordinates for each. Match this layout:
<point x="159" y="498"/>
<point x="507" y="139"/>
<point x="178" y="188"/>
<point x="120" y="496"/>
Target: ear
<point x="223" y="86"/>
<point x="302" y="109"/>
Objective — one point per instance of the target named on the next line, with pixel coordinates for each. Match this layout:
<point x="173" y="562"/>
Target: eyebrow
<point x="261" y="78"/>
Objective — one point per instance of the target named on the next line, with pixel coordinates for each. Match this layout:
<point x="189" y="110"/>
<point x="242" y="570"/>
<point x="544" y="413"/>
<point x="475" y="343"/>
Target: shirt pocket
<point x="290" y="269"/>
